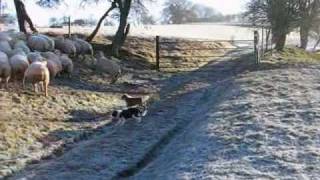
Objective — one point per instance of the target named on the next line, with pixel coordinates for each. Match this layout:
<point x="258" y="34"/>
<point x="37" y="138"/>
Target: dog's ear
<point x="114" y="113"/>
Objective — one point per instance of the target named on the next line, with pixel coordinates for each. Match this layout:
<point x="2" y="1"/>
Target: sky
<point x="41" y="16"/>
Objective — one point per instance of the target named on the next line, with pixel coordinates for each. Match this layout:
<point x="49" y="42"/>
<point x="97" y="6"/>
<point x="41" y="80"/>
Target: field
<point x="197" y="31"/>
<point x="228" y="119"/>
<point x="33" y="126"/>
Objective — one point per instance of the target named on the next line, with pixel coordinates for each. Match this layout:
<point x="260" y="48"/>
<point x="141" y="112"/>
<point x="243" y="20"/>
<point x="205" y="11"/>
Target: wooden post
<point x="256" y="47"/>
<point x="262" y="41"/>
<point x="158" y="53"/>
<point x="69" y="26"/>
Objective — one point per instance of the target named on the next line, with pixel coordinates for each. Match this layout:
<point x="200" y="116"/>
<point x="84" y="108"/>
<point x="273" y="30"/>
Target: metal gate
<point x="190" y="54"/>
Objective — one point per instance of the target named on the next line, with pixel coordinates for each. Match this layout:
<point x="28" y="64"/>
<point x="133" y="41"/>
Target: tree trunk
<point x="280" y="41"/>
<point x="316" y="45"/>
<point x="304" y="36"/>
<point x="23" y="17"/>
<point x="268" y="39"/>
<point x="94" y="33"/>
<point x="123" y="28"/>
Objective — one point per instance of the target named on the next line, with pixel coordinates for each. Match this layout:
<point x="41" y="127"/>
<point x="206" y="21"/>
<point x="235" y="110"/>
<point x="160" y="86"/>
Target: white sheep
<point x="5" y="69"/>
<point x="49" y="40"/>
<point x="34" y="56"/>
<point x="51" y="55"/>
<point x="5" y="47"/>
<point x="5" y="36"/>
<point x="37" y="73"/>
<point x="55" y="65"/>
<point x="65" y="45"/>
<point x="82" y="46"/>
<point x="40" y="43"/>
<point x="17" y="36"/>
<point x="19" y="63"/>
<point x="67" y="64"/>
<point x="21" y="44"/>
<point x="108" y="66"/>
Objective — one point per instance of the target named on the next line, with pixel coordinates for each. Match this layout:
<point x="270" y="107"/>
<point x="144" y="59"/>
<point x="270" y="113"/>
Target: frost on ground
<point x="230" y="120"/>
<point x="268" y="127"/>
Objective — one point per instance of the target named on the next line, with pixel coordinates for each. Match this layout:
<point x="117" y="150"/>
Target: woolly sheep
<point x="53" y="57"/>
<point x="49" y="41"/>
<point x="50" y="55"/>
<point x="82" y="46"/>
<point x="4" y="36"/>
<point x="5" y="47"/>
<point x="37" y="73"/>
<point x="40" y="43"/>
<point x="67" y="64"/>
<point x="34" y="56"/>
<point x="16" y="51"/>
<point x="17" y="36"/>
<point x="5" y="68"/>
<point x="53" y="67"/>
<point x="21" y="44"/>
<point x="108" y="66"/>
<point x="19" y="63"/>
<point x="65" y="45"/>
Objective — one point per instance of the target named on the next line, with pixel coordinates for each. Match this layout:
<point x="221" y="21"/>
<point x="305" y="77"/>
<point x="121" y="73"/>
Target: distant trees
<point x="184" y="11"/>
<point x="284" y="16"/>
<point x="178" y="12"/>
<point x="121" y="7"/>
<point x="147" y="19"/>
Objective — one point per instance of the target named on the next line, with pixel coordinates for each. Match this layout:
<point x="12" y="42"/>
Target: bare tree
<point x="308" y="12"/>
<point x="23" y="17"/>
<point x="280" y="14"/>
<point x="95" y="31"/>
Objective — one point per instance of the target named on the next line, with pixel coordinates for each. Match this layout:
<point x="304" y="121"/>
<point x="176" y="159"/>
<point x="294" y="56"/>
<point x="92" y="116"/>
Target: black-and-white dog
<point x="130" y="113"/>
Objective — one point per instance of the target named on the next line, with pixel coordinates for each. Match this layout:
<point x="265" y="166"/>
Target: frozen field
<point x="200" y="31"/>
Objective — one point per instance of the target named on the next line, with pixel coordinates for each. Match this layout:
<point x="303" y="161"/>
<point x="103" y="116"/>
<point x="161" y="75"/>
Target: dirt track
<point x="136" y="141"/>
<point x="229" y="121"/>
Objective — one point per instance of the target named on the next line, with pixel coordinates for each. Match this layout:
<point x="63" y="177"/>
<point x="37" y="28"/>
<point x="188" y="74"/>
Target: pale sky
<point x="41" y="16"/>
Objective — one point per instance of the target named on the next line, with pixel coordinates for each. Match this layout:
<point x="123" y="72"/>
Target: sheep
<point x="4" y="36"/>
<point x="50" y="55"/>
<point x="17" y="36"/>
<point x="40" y="43"/>
<point x="15" y="51"/>
<point x="49" y="41"/>
<point x="37" y="73"/>
<point x="34" y="56"/>
<point x="21" y="44"/>
<point x="82" y="46"/>
<point x="19" y="63"/>
<point x="54" y="67"/>
<point x="5" y="47"/>
<point x="67" y="64"/>
<point x="108" y="66"/>
<point x="5" y="69"/>
<point x="65" y="45"/>
<point x="133" y="101"/>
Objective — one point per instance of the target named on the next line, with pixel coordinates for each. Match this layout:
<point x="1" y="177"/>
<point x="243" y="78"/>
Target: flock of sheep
<point x="36" y="58"/>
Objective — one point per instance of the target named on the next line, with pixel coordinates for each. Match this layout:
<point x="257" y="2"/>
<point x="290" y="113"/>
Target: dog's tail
<point x="144" y="111"/>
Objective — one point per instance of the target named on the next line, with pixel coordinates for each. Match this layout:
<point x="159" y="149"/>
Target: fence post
<point x="158" y="53"/>
<point x="256" y="47"/>
<point x="69" y="26"/>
